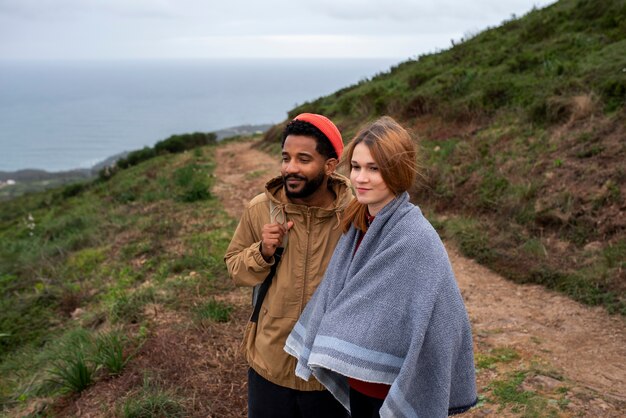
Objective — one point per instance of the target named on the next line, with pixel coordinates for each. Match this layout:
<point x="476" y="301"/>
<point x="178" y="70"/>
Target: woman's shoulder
<point x="412" y="218"/>
<point x="413" y="229"/>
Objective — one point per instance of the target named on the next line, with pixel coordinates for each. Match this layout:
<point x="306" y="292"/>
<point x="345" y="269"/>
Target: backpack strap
<point x="259" y="291"/>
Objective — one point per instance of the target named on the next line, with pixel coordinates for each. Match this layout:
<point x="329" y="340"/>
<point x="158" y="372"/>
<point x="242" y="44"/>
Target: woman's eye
<point x="374" y="168"/>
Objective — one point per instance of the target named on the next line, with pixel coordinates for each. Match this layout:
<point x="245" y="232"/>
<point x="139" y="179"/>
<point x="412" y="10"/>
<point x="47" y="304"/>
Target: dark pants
<point x="363" y="406"/>
<point x="268" y="400"/>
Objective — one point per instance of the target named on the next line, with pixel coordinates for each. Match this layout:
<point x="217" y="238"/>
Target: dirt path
<point x="241" y="173"/>
<point x="584" y="347"/>
<point x="587" y="344"/>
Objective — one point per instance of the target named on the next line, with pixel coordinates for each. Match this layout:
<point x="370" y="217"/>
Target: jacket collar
<point x="340" y="185"/>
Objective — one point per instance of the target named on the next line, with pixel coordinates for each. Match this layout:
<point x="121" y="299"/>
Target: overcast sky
<point x="129" y="29"/>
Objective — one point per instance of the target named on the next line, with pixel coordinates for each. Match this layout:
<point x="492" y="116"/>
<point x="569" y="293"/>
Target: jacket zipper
<point x="306" y="259"/>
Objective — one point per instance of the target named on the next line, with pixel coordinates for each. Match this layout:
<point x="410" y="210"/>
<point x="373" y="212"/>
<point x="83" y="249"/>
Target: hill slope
<point x="521" y="130"/>
<point x="161" y="289"/>
<point x="84" y="269"/>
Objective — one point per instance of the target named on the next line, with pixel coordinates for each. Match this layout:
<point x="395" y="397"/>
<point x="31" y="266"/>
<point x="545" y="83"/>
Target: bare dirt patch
<point x="200" y="367"/>
<point x="241" y="172"/>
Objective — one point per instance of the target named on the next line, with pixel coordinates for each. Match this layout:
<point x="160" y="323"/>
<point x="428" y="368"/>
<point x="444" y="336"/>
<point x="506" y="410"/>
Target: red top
<point x="374" y="390"/>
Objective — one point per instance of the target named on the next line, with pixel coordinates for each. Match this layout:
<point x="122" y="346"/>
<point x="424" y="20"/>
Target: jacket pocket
<point x="283" y="300"/>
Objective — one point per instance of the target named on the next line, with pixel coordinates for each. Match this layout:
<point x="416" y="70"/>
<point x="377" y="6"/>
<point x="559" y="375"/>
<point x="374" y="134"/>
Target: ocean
<point x="63" y="115"/>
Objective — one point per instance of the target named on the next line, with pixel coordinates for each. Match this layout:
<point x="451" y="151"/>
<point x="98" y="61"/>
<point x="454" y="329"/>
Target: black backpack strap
<point x="262" y="291"/>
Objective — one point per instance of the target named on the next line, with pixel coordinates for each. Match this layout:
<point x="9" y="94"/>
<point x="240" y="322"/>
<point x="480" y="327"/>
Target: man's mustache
<point x="294" y="176"/>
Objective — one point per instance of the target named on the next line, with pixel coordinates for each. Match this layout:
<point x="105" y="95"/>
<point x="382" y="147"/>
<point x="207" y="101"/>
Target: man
<point x="308" y="200"/>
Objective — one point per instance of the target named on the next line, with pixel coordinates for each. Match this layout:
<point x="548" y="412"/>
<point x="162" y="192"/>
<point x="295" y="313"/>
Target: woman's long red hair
<point x="395" y="154"/>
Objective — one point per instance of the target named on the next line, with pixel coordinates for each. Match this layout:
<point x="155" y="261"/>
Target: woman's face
<point x="368" y="183"/>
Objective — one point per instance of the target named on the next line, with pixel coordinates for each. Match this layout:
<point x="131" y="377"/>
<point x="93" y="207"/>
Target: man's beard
<point x="310" y="186"/>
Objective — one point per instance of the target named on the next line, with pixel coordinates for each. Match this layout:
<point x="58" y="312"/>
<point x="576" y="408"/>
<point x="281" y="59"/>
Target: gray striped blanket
<point x="391" y="314"/>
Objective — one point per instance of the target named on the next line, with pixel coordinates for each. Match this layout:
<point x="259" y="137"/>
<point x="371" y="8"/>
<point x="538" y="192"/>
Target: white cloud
<point x="241" y="28"/>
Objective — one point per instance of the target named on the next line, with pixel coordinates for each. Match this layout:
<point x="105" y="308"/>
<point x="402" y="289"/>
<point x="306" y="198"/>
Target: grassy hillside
<point x="115" y="302"/>
<point x="522" y="133"/>
<point x="101" y="256"/>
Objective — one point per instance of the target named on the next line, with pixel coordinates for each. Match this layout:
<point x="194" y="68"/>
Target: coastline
<point x="37" y="174"/>
<point x="31" y="180"/>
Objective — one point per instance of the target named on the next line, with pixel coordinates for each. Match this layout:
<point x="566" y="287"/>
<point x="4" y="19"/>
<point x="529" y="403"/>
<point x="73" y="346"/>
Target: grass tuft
<point x="72" y="368"/>
<point x="109" y="352"/>
<point x="151" y="401"/>
<point x="214" y="311"/>
<point x="497" y="355"/>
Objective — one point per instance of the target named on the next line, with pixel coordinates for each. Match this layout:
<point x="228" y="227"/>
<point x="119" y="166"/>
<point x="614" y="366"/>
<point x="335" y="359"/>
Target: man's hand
<point x="273" y="238"/>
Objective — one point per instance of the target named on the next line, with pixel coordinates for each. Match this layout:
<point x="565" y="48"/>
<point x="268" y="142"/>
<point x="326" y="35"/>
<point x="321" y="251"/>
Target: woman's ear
<point x="331" y="166"/>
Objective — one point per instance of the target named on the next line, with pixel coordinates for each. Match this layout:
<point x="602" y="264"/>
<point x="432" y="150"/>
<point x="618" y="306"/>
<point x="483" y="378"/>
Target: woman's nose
<point x="362" y="177"/>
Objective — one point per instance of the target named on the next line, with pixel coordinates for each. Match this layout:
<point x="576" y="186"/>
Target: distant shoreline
<point x="35" y="174"/>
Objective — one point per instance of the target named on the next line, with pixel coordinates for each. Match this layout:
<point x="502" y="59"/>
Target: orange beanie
<point x="327" y="127"/>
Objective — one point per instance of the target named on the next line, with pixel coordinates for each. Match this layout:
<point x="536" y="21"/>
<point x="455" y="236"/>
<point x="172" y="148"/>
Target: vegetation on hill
<point x="83" y="267"/>
<point x="32" y="181"/>
<point x="521" y="130"/>
<point x="173" y="144"/>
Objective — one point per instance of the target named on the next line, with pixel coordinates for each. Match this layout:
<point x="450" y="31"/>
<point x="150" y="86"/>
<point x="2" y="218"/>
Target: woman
<point x="387" y="331"/>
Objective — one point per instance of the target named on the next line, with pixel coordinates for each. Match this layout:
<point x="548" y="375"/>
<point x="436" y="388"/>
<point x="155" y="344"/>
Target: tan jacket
<point x="311" y="243"/>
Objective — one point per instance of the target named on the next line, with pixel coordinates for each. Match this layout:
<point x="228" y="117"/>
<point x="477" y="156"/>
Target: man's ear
<point x="331" y="165"/>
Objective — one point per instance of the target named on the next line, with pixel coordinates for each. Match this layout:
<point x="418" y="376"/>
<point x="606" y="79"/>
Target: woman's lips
<point x="361" y="190"/>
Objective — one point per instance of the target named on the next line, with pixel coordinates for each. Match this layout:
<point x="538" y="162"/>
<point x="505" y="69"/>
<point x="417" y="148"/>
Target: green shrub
<point x="194" y="182"/>
<point x="522" y="62"/>
<point x="491" y="190"/>
<point x="496" y="95"/>
<point x="184" y="176"/>
<point x="74" y="189"/>
<point x="180" y="143"/>
<point x="420" y="105"/>
<point x="471" y="237"/>
<point x="460" y="82"/>
<point x="614" y="94"/>
<point x="418" y="78"/>
<point x="614" y="255"/>
<point x="174" y="144"/>
<point x="136" y="157"/>
<point x="550" y="110"/>
<point x="196" y="192"/>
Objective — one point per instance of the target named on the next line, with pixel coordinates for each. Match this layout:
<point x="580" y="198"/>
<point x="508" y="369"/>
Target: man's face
<point x="303" y="168"/>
